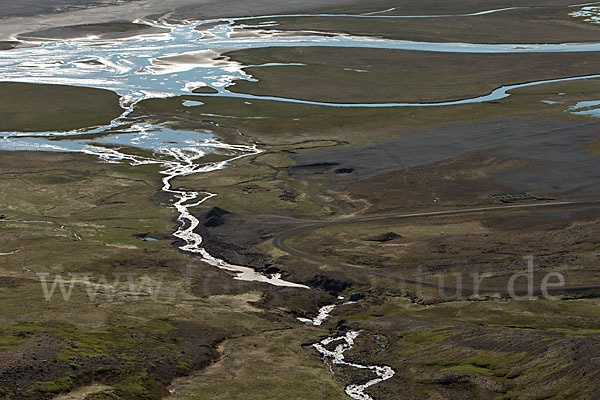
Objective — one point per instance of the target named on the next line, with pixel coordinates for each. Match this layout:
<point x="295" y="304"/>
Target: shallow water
<point x="589" y="108"/>
<point x="144" y="136"/>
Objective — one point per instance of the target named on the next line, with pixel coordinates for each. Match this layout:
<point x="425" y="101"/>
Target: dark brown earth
<point x="520" y="154"/>
<point x="234" y="238"/>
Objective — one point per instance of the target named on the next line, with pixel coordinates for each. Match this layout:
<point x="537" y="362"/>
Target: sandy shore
<point x="29" y="16"/>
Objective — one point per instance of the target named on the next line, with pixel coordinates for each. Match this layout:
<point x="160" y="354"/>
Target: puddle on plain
<point x="589" y="108"/>
<point x="190" y="103"/>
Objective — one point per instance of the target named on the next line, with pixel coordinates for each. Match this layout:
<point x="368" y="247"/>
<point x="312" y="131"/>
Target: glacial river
<point x="186" y="57"/>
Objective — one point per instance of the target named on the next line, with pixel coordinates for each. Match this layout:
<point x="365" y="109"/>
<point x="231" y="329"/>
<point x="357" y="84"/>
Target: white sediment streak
<point x="336" y="357"/>
<point x="324" y="313"/>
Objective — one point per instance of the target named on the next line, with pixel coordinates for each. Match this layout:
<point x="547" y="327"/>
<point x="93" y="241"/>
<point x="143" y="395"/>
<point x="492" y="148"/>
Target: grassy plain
<point x="281" y="367"/>
<point x="284" y="131"/>
<point x="28" y="107"/>
<point x="354" y="75"/>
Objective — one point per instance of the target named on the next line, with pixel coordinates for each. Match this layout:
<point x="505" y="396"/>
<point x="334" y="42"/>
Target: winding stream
<point x="332" y="350"/>
<point x="181" y="162"/>
<point x="185" y="58"/>
<point x="336" y="357"/>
